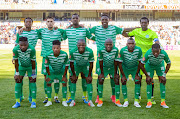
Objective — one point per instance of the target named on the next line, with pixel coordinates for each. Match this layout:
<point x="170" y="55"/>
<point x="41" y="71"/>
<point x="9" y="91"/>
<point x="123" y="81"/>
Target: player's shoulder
<point x="163" y="52"/>
<point x="88" y="49"/>
<point x="149" y="51"/>
<point x="151" y="31"/>
<point x="30" y="46"/>
<point x="49" y="53"/>
<point x="138" y="48"/>
<point x="124" y="48"/>
<point x="73" y="50"/>
<point x="63" y="52"/>
<point x="115" y="48"/>
<point x="16" y="47"/>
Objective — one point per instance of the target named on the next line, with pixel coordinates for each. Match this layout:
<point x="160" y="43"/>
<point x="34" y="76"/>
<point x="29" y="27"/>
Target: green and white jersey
<point x="108" y="58"/>
<point x="74" y="34"/>
<point x="155" y="61"/>
<point x="82" y="59"/>
<point x="57" y="63"/>
<point x="144" y="39"/>
<point x="47" y="37"/>
<point x="32" y="37"/>
<point x="24" y="58"/>
<point x="130" y="60"/>
<point x="101" y="34"/>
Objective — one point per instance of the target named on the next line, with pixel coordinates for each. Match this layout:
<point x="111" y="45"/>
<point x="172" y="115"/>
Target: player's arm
<point x="91" y="60"/>
<point x="100" y="55"/>
<point x="89" y="35"/>
<point x="168" y="61"/>
<point x="72" y="66"/>
<point x="33" y="59"/>
<point x="92" y="30"/>
<point x="17" y="39"/>
<point x="139" y="59"/>
<point x="117" y="56"/>
<point x="64" y="35"/>
<point x="47" y="63"/>
<point x="15" y="58"/>
<point x="66" y="69"/>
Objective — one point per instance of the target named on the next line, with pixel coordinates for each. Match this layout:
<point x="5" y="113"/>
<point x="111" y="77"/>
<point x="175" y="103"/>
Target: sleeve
<point x="17" y="39"/>
<point x="64" y="35"/>
<point x="91" y="56"/>
<point x="155" y="36"/>
<point x="61" y="31"/>
<point x="132" y="33"/>
<point x="89" y="35"/>
<point x="67" y="60"/>
<point x="15" y="54"/>
<point x="166" y="58"/>
<point x="33" y="54"/>
<point x="119" y="30"/>
<point x="39" y="33"/>
<point x="71" y="57"/>
<point x="145" y="58"/>
<point x="46" y="61"/>
<point x="121" y="56"/>
<point x="92" y="30"/>
<point x="140" y="54"/>
<point x="116" y="56"/>
<point x="100" y="55"/>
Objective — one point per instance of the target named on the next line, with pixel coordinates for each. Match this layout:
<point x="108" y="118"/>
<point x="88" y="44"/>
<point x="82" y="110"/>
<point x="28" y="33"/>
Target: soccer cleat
<point x="113" y="98"/>
<point x="72" y="103"/>
<point x="118" y="103"/>
<point x="163" y="104"/>
<point x="46" y="100"/>
<point x="100" y="103"/>
<point x="153" y="101"/>
<point x="85" y="100"/>
<point x="136" y="104"/>
<point x="149" y="105"/>
<point x="48" y="103"/>
<point x="21" y="98"/>
<point x="64" y="103"/>
<point x="56" y="100"/>
<point x="30" y="99"/>
<point x="16" y="105"/>
<point x="139" y="99"/>
<point x="69" y="100"/>
<point x="33" y="105"/>
<point x="126" y="104"/>
<point x="97" y="99"/>
<point x="90" y="103"/>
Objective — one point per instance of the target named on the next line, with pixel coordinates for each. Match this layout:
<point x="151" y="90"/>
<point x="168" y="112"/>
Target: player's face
<point x="108" y="46"/>
<point x="81" y="47"/>
<point x="75" y="20"/>
<point x="130" y="45"/>
<point x="50" y="23"/>
<point x="23" y="45"/>
<point x="104" y="21"/>
<point x="144" y="23"/>
<point x="156" y="52"/>
<point x="28" y="23"/>
<point x="56" y="49"/>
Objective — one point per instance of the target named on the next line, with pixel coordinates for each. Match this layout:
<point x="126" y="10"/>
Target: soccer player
<point x="144" y="38"/>
<point x="74" y="33"/>
<point x="101" y="33"/>
<point x="108" y="55"/>
<point x="24" y="55"/>
<point x="130" y="57"/>
<point x="32" y="36"/>
<point x="81" y="61"/>
<point x="58" y="60"/>
<point x="154" y="61"/>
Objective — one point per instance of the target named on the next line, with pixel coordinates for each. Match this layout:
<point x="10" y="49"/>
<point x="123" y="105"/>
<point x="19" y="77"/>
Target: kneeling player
<point x="154" y="61"/>
<point x="58" y="60"/>
<point x="24" y="55"/>
<point x="81" y="61"/>
<point x="108" y="56"/>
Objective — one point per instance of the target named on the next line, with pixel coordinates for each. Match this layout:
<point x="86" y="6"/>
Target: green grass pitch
<point x="81" y="110"/>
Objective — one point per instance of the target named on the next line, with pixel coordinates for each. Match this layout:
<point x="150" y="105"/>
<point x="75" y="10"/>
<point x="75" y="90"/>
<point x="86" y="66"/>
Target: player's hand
<point x="148" y="80"/>
<point x="48" y="79"/>
<point x="101" y="76"/>
<point x="123" y="79"/>
<point x="162" y="79"/>
<point x="81" y="25"/>
<point x="116" y="76"/>
<point x="21" y="30"/>
<point x="89" y="79"/>
<point x="31" y="79"/>
<point x="64" y="79"/>
<point x="137" y="77"/>
<point x="55" y="28"/>
<point x="74" y="78"/>
<point x="13" y="61"/>
<point x="17" y="78"/>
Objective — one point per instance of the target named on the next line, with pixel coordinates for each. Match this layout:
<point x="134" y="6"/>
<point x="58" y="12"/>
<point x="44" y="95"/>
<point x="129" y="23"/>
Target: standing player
<point x="144" y="38"/>
<point x="81" y="61"/>
<point x="130" y="57"/>
<point x="154" y="61"/>
<point x="74" y="33"/>
<point x="108" y="55"/>
<point x="24" y="55"/>
<point x="102" y="33"/>
<point x="58" y="60"/>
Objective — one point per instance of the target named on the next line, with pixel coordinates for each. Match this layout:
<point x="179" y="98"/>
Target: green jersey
<point x="101" y="34"/>
<point x="47" y="37"/>
<point x="82" y="59"/>
<point x="32" y="37"/>
<point x="108" y="57"/>
<point x="144" y="39"/>
<point x="57" y="63"/>
<point x="156" y="61"/>
<point x="130" y="60"/>
<point x="74" y="34"/>
<point x="26" y="57"/>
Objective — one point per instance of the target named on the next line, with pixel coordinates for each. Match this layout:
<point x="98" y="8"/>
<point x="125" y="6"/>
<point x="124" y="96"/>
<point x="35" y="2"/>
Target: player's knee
<point x="64" y="84"/>
<point x="83" y="76"/>
<point x="137" y="82"/>
<point x="124" y="83"/>
<point x="49" y="84"/>
<point x="116" y="81"/>
<point x="73" y="81"/>
<point x="101" y="81"/>
<point x="89" y="81"/>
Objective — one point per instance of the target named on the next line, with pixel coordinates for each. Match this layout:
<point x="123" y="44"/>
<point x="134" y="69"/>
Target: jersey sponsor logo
<point x="147" y="36"/>
<point x="144" y="59"/>
<point x="46" y="61"/>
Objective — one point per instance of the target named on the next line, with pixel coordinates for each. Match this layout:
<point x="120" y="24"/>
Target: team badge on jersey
<point x="70" y="56"/>
<point x="144" y="59"/>
<point x="99" y="55"/>
<point x="147" y="36"/>
<point x="13" y="54"/>
<point x="46" y="61"/>
<point x="119" y="56"/>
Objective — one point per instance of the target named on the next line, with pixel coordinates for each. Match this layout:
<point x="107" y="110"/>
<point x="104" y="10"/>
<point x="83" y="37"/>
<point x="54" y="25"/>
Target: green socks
<point x="18" y="91"/>
<point x="45" y="87"/>
<point x="117" y="91"/>
<point x="64" y="92"/>
<point x="124" y="91"/>
<point x="73" y="90"/>
<point x="56" y="88"/>
<point x="33" y="90"/>
<point x="100" y="90"/>
<point x="69" y="86"/>
<point x="84" y="85"/>
<point x="137" y="91"/>
<point x="112" y="86"/>
<point x="162" y="90"/>
<point x="49" y="91"/>
<point x="149" y="91"/>
<point x="90" y="91"/>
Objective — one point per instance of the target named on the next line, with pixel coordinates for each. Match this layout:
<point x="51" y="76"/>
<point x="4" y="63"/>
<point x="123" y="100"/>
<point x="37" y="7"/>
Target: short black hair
<point x="49" y="17"/>
<point x="28" y="18"/>
<point x="56" y="42"/>
<point x="75" y="14"/>
<point x="144" y="18"/>
<point x="23" y="39"/>
<point x="81" y="40"/>
<point x="156" y="46"/>
<point x="131" y="38"/>
<point x="106" y="15"/>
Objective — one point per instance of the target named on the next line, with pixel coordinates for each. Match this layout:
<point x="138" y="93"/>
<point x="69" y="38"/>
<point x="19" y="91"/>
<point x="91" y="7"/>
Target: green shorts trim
<point x="129" y="72"/>
<point x="56" y="78"/>
<point x="79" y="69"/>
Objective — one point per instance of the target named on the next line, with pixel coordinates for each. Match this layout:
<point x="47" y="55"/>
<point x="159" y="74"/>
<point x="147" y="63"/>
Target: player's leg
<point x="56" y="89"/>
<point x="113" y="97"/>
<point x="124" y="89"/>
<point x="69" y="87"/>
<point x="84" y="87"/>
<point x="43" y="71"/>
<point x="64" y="92"/>
<point x="49" y="89"/>
<point x="97" y="71"/>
